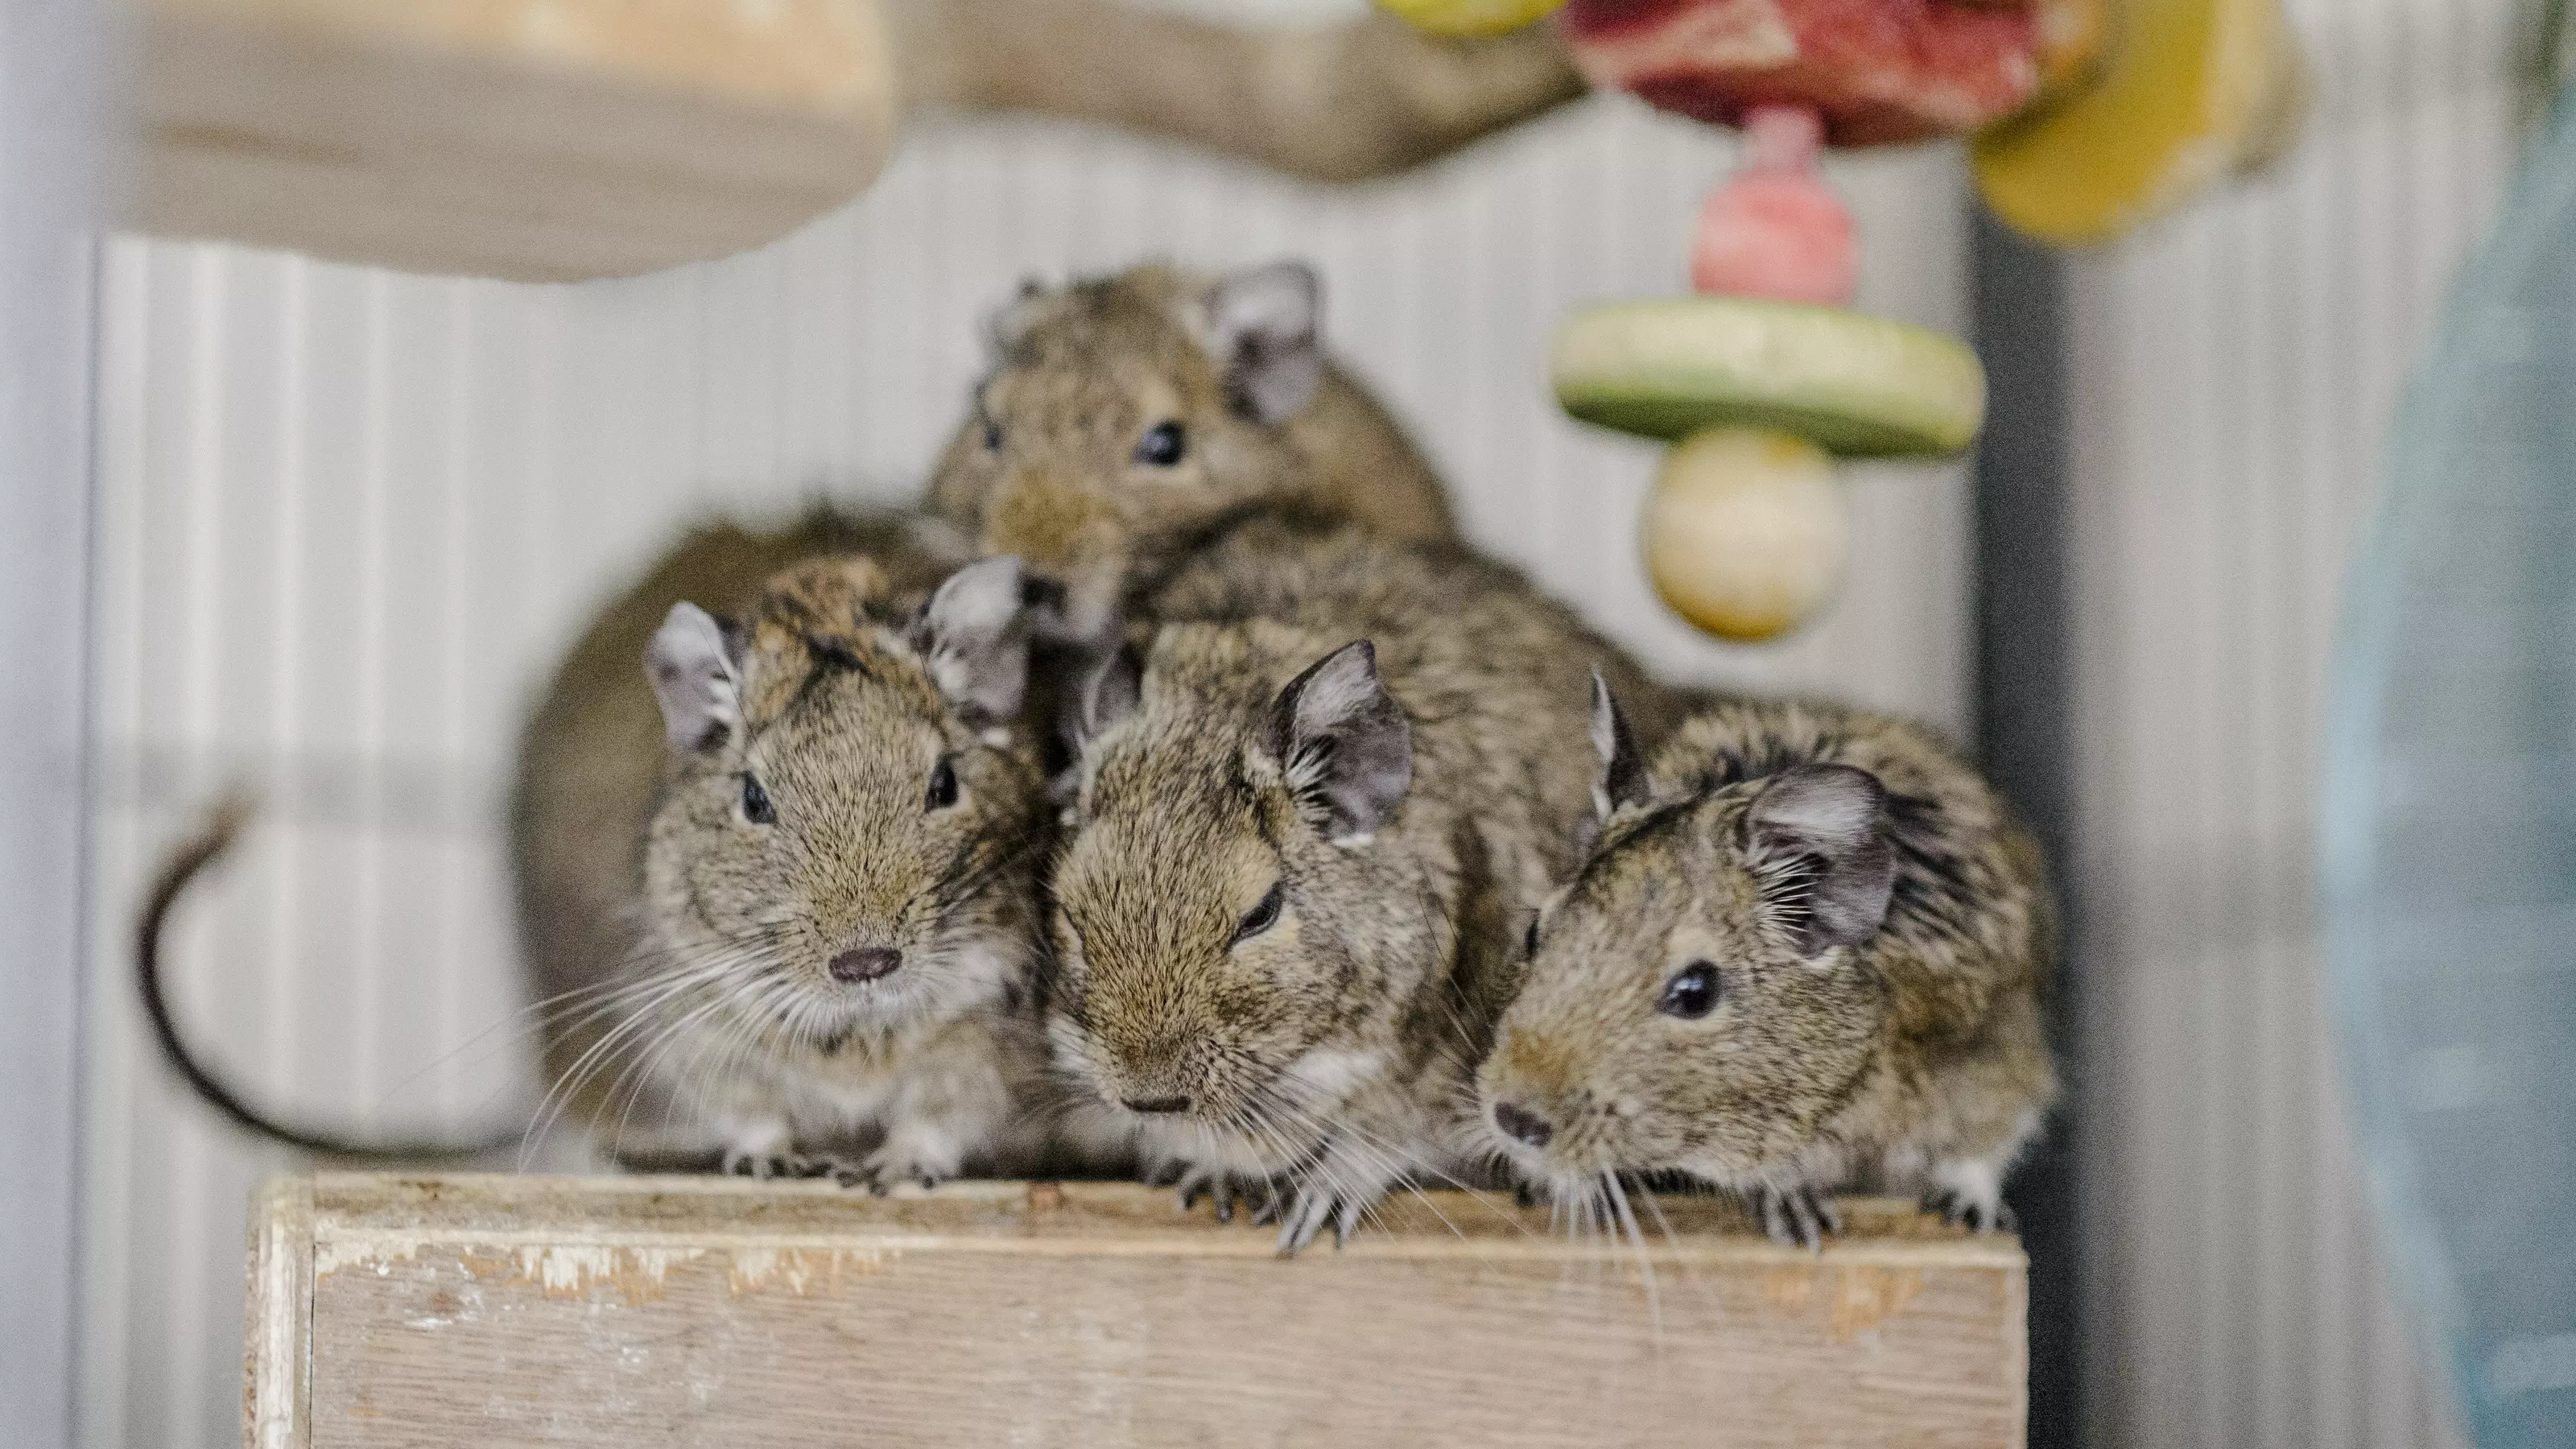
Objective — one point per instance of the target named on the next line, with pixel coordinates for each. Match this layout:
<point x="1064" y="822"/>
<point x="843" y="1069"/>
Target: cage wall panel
<point x="2235" y="372"/>
<point x="347" y="517"/>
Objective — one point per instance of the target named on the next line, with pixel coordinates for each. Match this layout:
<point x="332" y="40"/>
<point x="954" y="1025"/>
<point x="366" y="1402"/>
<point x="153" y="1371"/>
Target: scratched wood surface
<point x="500" y="1311"/>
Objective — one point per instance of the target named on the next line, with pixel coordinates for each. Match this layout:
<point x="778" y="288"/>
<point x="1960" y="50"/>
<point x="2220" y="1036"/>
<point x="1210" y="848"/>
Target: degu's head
<point x="843" y="838"/>
<point x="1126" y="416"/>
<point x="1227" y="928"/>
<point x="1693" y="999"/>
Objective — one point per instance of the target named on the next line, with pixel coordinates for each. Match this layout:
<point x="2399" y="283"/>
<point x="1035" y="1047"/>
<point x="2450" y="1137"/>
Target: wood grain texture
<point x="681" y="1311"/>
<point x="276" y="1413"/>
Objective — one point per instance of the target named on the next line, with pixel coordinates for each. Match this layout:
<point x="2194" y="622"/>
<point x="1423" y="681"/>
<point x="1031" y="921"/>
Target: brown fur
<point x="635" y="862"/>
<point x="1914" y="1058"/>
<point x="1327" y="1056"/>
<point x="1083" y="373"/>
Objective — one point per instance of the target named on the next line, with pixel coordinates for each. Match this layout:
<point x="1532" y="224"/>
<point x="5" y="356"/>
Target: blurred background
<point x="339" y="520"/>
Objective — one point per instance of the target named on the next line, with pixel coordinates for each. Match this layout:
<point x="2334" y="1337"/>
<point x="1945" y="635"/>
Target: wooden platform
<point x="555" y="140"/>
<point x="497" y="1311"/>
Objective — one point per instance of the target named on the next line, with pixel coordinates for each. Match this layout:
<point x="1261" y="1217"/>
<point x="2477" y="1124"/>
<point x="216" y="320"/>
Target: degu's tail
<point x="177" y="872"/>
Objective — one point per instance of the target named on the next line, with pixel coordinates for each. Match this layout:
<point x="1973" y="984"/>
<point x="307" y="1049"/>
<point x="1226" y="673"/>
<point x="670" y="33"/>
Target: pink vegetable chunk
<point x="1776" y="229"/>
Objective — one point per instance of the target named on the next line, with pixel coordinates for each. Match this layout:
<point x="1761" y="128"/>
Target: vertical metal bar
<point x="2024" y="709"/>
<point x="46" y="266"/>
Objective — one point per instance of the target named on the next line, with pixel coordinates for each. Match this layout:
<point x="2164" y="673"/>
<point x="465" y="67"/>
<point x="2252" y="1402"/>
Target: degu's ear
<point x="1622" y="781"/>
<point x="695" y="663"/>
<point x="973" y="635"/>
<point x="1109" y="693"/>
<point x="1343" y="744"/>
<point x="1264" y="328"/>
<point x="1818" y="838"/>
<point x="1008" y="323"/>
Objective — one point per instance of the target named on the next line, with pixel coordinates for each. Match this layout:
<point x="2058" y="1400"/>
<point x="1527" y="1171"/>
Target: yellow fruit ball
<point x="1744" y="534"/>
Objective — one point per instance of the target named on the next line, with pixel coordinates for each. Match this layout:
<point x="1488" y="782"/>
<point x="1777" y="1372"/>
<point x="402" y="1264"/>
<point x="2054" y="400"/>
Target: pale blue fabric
<point x="2449" y="823"/>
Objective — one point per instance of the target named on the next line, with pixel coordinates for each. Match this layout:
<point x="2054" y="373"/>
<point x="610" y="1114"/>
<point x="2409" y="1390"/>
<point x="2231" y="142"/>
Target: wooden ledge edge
<point x="343" y="1216"/>
<point x="278" y="1316"/>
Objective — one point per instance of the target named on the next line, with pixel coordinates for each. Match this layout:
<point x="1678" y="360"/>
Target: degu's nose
<point x="1525" y="1125"/>
<point x="866" y="964"/>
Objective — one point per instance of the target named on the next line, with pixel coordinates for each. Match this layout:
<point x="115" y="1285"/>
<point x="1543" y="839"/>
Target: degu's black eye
<point x="1163" y="445"/>
<point x="1692" y="993"/>
<point x="755" y="802"/>
<point x="943" y="786"/>
<point x="992" y="436"/>
<point x="1263" y="916"/>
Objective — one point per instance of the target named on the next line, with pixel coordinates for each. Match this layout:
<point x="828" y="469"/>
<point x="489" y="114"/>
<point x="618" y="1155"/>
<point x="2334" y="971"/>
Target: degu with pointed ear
<point x="1804" y="951"/>
<point x="838" y="901"/>
<point x="1125" y="417"/>
<point x="775" y="872"/>
<point x="1303" y="813"/>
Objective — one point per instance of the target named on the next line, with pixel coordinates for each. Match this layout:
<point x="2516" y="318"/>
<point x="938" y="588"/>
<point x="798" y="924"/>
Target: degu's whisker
<point x="1627" y="1222"/>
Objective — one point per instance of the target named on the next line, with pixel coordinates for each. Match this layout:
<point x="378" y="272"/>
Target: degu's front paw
<point x="896" y="1163"/>
<point x="1797" y="1217"/>
<point x="767" y="1165"/>
<point x="1309" y="1211"/>
<point x="1978" y="1212"/>
<point x="1224" y="1190"/>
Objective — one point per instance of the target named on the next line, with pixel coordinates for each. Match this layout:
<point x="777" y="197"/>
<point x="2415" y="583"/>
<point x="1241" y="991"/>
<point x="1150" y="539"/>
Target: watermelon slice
<point x="1877" y="70"/>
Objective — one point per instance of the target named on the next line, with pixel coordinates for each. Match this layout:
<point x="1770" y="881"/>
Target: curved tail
<point x="177" y="872"/>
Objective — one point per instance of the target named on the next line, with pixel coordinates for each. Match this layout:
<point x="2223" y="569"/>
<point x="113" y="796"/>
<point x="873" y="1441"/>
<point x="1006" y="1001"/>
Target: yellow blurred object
<point x="2190" y="91"/>
<point x="2074" y="40"/>
<point x="1471" y="17"/>
<point x="1744" y="533"/>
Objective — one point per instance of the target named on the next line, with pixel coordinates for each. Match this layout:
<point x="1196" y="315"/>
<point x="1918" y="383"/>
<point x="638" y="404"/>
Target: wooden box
<point x="497" y="1311"/>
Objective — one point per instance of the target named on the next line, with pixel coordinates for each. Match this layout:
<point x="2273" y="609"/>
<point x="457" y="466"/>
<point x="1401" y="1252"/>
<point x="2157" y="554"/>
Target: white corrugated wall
<point x="2234" y="374"/>
<point x="345" y="518"/>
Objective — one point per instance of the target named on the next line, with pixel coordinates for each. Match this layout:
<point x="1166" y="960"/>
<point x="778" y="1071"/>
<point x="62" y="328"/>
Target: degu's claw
<point x="1303" y="1220"/>
<point x="1967" y="1210"/>
<point x="1797" y="1217"/>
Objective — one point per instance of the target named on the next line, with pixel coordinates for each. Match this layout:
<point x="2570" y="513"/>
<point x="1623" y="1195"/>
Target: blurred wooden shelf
<point x="503" y="1311"/>
<point x="535" y="139"/>
<point x="556" y="140"/>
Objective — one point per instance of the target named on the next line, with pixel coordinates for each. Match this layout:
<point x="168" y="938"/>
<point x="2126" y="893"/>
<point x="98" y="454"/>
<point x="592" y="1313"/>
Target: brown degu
<point x="1303" y="814"/>
<point x="788" y="871"/>
<point x="1126" y="418"/>
<point x="1805" y="950"/>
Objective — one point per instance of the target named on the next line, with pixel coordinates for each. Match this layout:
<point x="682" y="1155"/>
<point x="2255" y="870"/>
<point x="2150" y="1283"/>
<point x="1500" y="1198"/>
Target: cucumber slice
<point x="1855" y="385"/>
